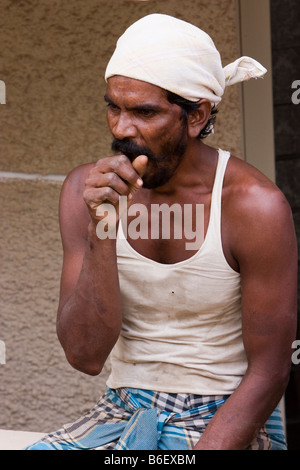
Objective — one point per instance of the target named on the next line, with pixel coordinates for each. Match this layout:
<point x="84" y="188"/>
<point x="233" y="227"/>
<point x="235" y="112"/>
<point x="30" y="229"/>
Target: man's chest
<point x="167" y="232"/>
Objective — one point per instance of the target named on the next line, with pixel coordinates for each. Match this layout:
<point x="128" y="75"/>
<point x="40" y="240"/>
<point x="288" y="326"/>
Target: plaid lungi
<point x="132" y="419"/>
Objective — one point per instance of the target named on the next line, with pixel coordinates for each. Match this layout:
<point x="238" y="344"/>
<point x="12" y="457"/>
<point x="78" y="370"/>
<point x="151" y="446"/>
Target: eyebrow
<point x="137" y="107"/>
<point x="108" y="100"/>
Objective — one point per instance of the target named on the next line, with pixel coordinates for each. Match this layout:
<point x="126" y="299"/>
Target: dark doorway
<point x="285" y="20"/>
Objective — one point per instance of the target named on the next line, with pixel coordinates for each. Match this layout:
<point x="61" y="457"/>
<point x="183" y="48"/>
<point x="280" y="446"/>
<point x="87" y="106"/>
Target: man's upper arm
<point x="73" y="220"/>
<point x="267" y="254"/>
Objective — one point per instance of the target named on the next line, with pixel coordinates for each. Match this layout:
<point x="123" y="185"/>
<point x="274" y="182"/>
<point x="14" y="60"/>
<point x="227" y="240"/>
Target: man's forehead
<point x="125" y="86"/>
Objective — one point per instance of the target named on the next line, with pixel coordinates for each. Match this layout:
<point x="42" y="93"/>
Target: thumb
<point x="140" y="164"/>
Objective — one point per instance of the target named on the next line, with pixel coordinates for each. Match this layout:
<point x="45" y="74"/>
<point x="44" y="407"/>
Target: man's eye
<point x="146" y="112"/>
<point x="112" y="107"/>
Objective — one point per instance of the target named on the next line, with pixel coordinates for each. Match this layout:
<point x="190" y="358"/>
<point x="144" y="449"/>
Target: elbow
<point x="285" y="376"/>
<point x="87" y="352"/>
<point x="89" y="369"/>
<point x="279" y="380"/>
<point x="84" y="365"/>
<point x="272" y="380"/>
<point x="87" y="360"/>
<point x="281" y="373"/>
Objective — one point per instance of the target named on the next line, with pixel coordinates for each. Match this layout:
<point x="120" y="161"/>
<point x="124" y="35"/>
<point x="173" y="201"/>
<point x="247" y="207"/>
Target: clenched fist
<point x="111" y="178"/>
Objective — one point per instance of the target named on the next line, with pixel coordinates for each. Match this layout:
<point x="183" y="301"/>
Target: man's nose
<point x="124" y="127"/>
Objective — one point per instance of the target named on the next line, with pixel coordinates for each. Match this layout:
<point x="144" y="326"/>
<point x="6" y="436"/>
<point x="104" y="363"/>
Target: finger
<point x="140" y="164"/>
<point x="96" y="196"/>
<point x="120" y="165"/>
<point x="111" y="180"/>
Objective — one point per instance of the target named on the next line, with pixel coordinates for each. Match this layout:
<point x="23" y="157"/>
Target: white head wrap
<point x="179" y="57"/>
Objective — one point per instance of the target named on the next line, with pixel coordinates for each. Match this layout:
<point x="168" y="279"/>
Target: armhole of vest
<point x="216" y="202"/>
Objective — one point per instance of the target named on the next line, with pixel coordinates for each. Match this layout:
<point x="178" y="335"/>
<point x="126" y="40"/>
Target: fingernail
<point x="139" y="182"/>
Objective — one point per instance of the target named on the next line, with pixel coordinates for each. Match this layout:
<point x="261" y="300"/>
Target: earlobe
<point x="198" y="118"/>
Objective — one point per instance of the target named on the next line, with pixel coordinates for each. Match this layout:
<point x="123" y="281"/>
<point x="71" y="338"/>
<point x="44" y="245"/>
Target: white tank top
<point x="181" y="329"/>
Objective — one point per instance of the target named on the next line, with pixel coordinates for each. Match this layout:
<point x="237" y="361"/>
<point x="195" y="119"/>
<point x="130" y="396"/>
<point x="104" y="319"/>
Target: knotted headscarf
<point x="179" y="57"/>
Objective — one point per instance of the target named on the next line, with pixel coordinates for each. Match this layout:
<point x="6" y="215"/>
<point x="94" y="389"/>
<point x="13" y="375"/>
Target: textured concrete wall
<point x="53" y="56"/>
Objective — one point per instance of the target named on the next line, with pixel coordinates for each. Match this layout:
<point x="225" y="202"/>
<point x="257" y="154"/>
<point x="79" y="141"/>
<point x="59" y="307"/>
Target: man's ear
<point x="198" y="118"/>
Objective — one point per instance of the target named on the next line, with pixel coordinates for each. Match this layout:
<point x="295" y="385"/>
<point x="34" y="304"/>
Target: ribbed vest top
<point x="181" y="330"/>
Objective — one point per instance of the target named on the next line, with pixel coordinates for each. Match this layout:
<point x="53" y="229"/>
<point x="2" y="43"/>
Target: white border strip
<point x="8" y="175"/>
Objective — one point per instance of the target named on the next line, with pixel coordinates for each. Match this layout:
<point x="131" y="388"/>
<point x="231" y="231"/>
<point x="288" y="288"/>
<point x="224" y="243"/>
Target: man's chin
<point x="153" y="181"/>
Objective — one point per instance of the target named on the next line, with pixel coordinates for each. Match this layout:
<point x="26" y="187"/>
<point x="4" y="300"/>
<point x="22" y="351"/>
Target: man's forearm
<point x="89" y="322"/>
<point x="241" y="417"/>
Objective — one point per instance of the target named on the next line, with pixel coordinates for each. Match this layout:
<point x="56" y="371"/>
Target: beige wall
<point x="53" y="56"/>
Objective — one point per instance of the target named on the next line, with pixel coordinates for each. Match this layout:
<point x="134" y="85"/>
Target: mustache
<point x="132" y="150"/>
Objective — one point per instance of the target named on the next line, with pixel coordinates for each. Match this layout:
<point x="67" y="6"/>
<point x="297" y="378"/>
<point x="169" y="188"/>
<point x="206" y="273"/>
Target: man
<point x="199" y="335"/>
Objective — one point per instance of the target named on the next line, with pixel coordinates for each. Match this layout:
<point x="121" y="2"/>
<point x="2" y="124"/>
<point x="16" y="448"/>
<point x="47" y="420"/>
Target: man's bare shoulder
<point x="249" y="191"/>
<point x="74" y="184"/>
<point x="73" y="213"/>
<point x="75" y="179"/>
<point x="256" y="211"/>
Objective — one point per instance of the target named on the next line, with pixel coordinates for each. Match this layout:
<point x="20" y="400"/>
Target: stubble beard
<point x="160" y="168"/>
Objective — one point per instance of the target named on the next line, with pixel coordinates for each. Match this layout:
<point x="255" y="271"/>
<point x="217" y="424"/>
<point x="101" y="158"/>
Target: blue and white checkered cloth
<point x="132" y="419"/>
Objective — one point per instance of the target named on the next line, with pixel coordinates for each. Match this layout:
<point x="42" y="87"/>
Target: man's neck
<point x="197" y="169"/>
